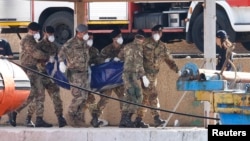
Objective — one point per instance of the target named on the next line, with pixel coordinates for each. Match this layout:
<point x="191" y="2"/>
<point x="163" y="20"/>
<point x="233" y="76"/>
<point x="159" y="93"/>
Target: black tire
<point x="63" y="22"/>
<point x="222" y="23"/>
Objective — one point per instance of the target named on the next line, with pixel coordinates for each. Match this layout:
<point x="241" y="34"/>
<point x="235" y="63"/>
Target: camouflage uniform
<point x="94" y="58"/>
<point x="50" y="49"/>
<point x="29" y="57"/>
<point x="133" y="70"/>
<point x="109" y="52"/>
<point x="154" y="53"/>
<point x="76" y="53"/>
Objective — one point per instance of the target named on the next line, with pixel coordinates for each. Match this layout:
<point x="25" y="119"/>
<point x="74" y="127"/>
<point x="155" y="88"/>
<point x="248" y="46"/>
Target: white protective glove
<point x="62" y="67"/>
<point x="116" y="59"/>
<point x="52" y="59"/>
<point x="92" y="65"/>
<point x="107" y="60"/>
<point x="179" y="73"/>
<point x="145" y="81"/>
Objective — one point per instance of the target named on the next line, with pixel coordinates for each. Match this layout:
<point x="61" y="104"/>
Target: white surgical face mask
<point x="120" y="40"/>
<point x="90" y="43"/>
<point x="85" y="37"/>
<point x="51" y="38"/>
<point x="37" y="36"/>
<point x="156" y="37"/>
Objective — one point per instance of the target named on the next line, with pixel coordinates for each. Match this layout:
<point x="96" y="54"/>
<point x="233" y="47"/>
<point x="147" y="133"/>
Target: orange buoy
<point x="14" y="86"/>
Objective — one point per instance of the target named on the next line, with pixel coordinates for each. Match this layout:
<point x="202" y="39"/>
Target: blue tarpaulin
<point x="57" y="74"/>
<point x="106" y="75"/>
<point x="103" y="76"/>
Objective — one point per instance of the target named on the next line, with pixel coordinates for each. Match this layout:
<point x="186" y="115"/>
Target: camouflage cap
<point x="157" y="28"/>
<point x="81" y="28"/>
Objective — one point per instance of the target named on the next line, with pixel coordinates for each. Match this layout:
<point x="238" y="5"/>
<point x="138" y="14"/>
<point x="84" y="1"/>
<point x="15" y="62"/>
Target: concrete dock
<point x="8" y="133"/>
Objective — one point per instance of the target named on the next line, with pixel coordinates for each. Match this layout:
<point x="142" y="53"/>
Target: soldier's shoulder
<point x="128" y="44"/>
<point x="148" y="39"/>
<point x="108" y="46"/>
<point x="68" y="42"/>
<point x="93" y="49"/>
<point x="162" y="43"/>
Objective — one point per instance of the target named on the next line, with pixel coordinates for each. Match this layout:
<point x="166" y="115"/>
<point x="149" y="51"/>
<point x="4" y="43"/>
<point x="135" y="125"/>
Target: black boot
<point x="28" y="122"/>
<point x="95" y="122"/>
<point x="139" y="123"/>
<point x="61" y="121"/>
<point x="158" y="121"/>
<point x="126" y="120"/>
<point x="12" y="118"/>
<point x="41" y="123"/>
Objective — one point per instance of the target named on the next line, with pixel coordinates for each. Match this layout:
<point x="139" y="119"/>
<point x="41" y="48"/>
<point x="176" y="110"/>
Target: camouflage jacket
<point x="110" y="51"/>
<point x="29" y="54"/>
<point x="154" y="53"/>
<point x="76" y="54"/>
<point x="94" y="56"/>
<point x="133" y="58"/>
<point x="49" y="48"/>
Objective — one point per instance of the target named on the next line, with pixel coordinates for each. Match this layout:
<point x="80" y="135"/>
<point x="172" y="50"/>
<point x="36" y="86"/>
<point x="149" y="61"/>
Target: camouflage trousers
<point x="90" y="101"/>
<point x="133" y="92"/>
<point x="99" y="107"/>
<point x="36" y="93"/>
<point x="54" y="93"/>
<point x="75" y="113"/>
<point x="150" y="97"/>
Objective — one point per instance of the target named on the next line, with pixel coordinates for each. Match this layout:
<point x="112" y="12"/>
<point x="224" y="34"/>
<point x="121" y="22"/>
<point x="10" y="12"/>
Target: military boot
<point x="12" y="118"/>
<point x="28" y="122"/>
<point x="126" y="120"/>
<point x="95" y="122"/>
<point x="139" y="123"/>
<point x="61" y="121"/>
<point x="41" y="123"/>
<point x="158" y="121"/>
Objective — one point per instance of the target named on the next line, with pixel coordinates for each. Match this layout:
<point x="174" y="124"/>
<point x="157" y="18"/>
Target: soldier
<point x="76" y="53"/>
<point x="154" y="53"/>
<point x="47" y="46"/>
<point x="94" y="59"/>
<point x="29" y="57"/>
<point x="132" y="71"/>
<point x="107" y="53"/>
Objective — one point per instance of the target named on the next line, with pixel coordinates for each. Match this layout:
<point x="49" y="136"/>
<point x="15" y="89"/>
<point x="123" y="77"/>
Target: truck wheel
<point x="63" y="22"/>
<point x="222" y="23"/>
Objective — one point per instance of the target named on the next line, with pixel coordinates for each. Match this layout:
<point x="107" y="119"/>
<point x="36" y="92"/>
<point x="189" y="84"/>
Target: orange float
<point x="14" y="86"/>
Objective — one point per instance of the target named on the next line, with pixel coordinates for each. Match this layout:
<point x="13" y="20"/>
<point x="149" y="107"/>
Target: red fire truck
<point x="180" y="19"/>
